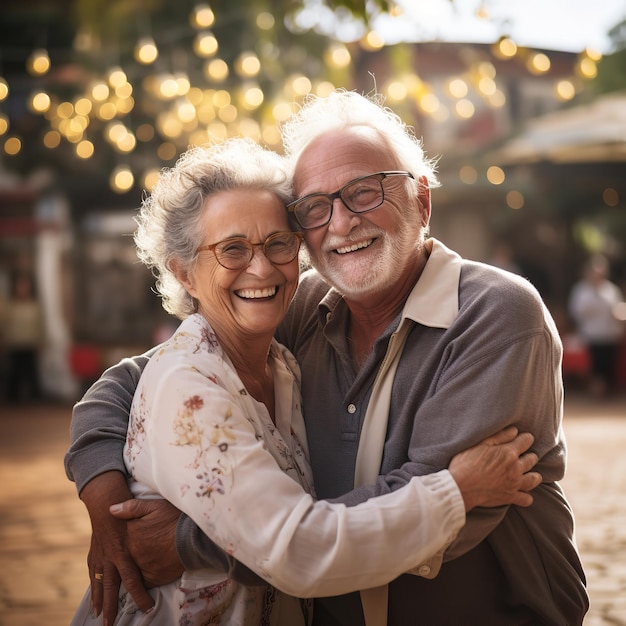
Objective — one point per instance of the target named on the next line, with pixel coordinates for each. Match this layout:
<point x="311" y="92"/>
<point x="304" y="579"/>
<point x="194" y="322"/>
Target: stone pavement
<point x="44" y="528"/>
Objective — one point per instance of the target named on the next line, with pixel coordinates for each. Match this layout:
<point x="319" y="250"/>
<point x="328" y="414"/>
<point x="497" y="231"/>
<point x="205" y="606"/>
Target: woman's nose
<point x="260" y="264"/>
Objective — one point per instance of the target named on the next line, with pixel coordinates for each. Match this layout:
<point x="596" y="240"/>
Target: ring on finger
<point x="98" y="576"/>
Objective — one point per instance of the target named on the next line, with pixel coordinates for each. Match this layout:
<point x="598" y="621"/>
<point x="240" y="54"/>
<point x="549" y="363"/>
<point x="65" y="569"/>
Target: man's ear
<point x="423" y="195"/>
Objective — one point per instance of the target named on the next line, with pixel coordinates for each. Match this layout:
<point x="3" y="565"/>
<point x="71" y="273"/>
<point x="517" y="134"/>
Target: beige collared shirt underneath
<point x="432" y="302"/>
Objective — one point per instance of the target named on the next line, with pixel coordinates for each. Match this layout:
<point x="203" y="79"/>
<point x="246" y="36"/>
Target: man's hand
<point x="109" y="559"/>
<point x="151" y="534"/>
<point x="497" y="470"/>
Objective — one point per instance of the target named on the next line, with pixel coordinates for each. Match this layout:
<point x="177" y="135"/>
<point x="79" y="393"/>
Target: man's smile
<point x="355" y="246"/>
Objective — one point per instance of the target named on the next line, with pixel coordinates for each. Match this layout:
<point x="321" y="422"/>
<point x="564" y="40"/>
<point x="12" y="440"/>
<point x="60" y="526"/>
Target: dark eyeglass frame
<point x="299" y="237"/>
<point x="292" y="207"/>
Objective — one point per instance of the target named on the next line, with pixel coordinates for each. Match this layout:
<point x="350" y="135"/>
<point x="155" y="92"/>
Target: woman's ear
<point x="184" y="277"/>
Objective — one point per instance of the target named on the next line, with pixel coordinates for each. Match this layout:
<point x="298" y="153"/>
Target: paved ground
<point x="44" y="528"/>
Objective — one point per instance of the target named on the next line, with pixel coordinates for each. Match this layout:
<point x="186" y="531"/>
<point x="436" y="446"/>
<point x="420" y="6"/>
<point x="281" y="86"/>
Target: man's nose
<point x="343" y="220"/>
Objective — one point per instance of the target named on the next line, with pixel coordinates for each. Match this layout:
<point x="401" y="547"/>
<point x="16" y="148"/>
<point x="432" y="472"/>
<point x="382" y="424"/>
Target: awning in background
<point x="590" y="133"/>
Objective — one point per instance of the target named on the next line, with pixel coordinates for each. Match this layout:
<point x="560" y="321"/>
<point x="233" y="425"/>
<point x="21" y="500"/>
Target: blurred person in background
<point x="22" y="329"/>
<point x="593" y="306"/>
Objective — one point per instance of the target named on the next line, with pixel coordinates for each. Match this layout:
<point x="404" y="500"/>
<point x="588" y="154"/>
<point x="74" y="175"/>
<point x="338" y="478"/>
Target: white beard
<point x="370" y="273"/>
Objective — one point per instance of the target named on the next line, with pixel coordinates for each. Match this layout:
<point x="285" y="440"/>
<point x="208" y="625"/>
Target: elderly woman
<point x="216" y="426"/>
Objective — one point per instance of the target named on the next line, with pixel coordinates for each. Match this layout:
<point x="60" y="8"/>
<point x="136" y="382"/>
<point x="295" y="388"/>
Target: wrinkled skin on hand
<point x="151" y="533"/>
<point x="109" y="553"/>
<point x="496" y="471"/>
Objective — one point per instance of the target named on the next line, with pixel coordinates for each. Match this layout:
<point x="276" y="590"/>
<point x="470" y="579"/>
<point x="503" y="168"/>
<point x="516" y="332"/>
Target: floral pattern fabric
<point x="192" y="421"/>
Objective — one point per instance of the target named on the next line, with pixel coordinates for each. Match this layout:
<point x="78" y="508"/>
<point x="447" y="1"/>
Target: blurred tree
<point x="612" y="68"/>
<point x="282" y="40"/>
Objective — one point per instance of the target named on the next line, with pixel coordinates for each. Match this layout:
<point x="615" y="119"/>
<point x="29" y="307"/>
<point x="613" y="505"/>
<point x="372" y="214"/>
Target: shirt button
<point x="351" y="408"/>
<point x="424" y="570"/>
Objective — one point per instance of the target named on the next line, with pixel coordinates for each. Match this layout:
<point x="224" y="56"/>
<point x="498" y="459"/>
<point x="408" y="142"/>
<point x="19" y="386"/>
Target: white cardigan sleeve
<point x="191" y="442"/>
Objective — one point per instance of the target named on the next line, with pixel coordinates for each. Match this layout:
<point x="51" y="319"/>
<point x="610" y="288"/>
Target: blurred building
<point x="83" y="140"/>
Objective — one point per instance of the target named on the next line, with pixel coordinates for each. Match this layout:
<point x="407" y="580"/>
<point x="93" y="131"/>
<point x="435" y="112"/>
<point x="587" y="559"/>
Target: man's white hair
<point x="344" y="109"/>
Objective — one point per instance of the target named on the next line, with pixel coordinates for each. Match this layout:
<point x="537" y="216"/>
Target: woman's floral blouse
<point x="193" y="431"/>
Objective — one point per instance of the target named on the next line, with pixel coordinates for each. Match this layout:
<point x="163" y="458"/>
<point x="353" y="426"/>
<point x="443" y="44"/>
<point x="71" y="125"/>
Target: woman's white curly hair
<point x="169" y="220"/>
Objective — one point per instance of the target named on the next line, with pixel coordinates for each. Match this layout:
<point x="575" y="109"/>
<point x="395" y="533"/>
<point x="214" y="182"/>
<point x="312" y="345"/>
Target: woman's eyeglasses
<point x="236" y="253"/>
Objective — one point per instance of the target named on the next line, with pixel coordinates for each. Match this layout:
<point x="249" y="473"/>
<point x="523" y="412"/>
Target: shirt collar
<point x="434" y="301"/>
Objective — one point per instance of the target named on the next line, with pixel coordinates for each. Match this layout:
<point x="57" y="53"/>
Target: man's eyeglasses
<point x="236" y="253"/>
<point x="359" y="196"/>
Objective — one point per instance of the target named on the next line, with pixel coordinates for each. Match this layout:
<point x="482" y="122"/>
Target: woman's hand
<point x="496" y="471"/>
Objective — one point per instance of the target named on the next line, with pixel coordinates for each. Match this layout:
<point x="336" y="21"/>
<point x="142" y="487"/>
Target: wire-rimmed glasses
<point x="360" y="195"/>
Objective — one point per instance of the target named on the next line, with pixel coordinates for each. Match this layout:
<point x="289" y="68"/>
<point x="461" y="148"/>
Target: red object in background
<point x="85" y="362"/>
<point x="576" y="360"/>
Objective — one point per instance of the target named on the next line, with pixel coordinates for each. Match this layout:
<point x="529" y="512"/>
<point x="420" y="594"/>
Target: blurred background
<point x="524" y="104"/>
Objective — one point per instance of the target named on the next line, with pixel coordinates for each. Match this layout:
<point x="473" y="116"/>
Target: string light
<point x="457" y="88"/>
<point x="468" y="174"/>
<point x="205" y="45"/>
<point x="515" y="199"/>
<point x="202" y="16"/>
<point x="216" y="70"/>
<point x="185" y="111"/>
<point x="565" y="90"/>
<point x="610" y="196"/>
<point x="38" y="63"/>
<point x="397" y="90"/>
<point x="429" y="103"/>
<point x="495" y="175"/>
<point x="252" y="97"/>
<point x="464" y="109"/>
<point x="168" y="87"/>
<point x="52" y="139"/>
<point x="117" y="77"/>
<point x="121" y="179"/>
<point x="85" y="149"/>
<point x="40" y="102"/>
<point x="586" y="67"/>
<point x="497" y="100"/>
<point x="538" y="63"/>
<point x="248" y="64"/>
<point x="265" y="20"/>
<point x="83" y="106"/>
<point x="146" y="51"/>
<point x="337" y="55"/>
<point x="166" y="151"/>
<point x="372" y="41"/>
<point x="505" y="48"/>
<point x="12" y="145"/>
<point x="301" y="85"/>
<point x="150" y="179"/>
